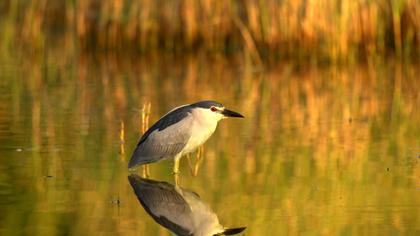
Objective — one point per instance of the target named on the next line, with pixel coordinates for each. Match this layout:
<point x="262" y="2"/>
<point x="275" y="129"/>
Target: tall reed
<point x="267" y="28"/>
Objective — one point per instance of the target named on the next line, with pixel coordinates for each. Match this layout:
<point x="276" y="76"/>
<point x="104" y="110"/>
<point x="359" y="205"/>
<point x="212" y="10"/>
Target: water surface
<point x="331" y="150"/>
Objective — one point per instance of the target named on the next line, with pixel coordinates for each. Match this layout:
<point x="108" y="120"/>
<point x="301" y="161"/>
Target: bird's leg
<point x="176" y="179"/>
<point x="147" y="171"/>
<point x="200" y="152"/>
<point x="176" y="164"/>
<point x="144" y="170"/>
<point x="198" y="156"/>
<point x="190" y="165"/>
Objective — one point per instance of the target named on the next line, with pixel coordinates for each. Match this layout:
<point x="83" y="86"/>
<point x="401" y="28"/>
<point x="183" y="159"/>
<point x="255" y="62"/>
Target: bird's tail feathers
<point x="136" y="160"/>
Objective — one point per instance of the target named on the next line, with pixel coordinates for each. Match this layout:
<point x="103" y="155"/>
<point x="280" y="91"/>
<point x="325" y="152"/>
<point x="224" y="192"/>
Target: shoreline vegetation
<point x="267" y="30"/>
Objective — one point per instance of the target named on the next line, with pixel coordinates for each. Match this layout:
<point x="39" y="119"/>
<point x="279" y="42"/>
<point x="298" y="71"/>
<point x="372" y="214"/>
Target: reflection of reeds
<point x="122" y="140"/>
<point x="268" y="28"/>
<point x="145" y="114"/>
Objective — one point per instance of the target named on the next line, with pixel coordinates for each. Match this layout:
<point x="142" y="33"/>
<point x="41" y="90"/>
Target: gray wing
<point x="165" y="138"/>
<point x="163" y="203"/>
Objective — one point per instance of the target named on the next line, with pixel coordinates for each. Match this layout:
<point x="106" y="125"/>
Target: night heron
<point x="179" y="132"/>
<point x="178" y="209"/>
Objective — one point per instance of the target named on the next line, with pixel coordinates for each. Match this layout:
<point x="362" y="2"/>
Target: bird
<point x="178" y="209"/>
<point x="179" y="132"/>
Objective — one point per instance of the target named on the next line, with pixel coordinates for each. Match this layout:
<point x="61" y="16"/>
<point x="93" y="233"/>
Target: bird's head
<point x="215" y="110"/>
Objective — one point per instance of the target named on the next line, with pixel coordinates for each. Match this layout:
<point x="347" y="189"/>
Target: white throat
<point x="207" y="116"/>
<point x="205" y="123"/>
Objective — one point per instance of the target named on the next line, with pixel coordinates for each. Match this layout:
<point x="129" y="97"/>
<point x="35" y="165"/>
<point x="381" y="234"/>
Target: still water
<point x="323" y="150"/>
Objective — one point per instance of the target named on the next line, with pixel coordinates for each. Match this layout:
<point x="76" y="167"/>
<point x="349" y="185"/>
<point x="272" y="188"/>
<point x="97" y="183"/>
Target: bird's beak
<point x="229" y="113"/>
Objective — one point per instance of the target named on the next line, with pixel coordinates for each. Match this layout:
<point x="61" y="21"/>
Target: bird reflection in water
<point x="178" y="209"/>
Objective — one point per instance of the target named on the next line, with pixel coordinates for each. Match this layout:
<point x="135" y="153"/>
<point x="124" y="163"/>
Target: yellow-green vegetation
<point x="267" y="29"/>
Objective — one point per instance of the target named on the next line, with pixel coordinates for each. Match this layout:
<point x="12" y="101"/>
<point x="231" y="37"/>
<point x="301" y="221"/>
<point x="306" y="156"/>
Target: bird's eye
<point x="213" y="109"/>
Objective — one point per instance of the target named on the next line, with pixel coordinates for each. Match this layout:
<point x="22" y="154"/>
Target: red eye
<point x="213" y="109"/>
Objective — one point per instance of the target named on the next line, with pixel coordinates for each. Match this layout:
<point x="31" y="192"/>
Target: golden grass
<point x="268" y="29"/>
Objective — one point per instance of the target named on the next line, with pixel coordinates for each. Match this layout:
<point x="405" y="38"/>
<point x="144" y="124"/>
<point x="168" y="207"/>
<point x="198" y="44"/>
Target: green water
<point x="330" y="150"/>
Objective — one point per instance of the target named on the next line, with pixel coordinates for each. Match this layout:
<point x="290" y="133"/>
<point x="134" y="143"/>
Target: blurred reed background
<point x="268" y="29"/>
